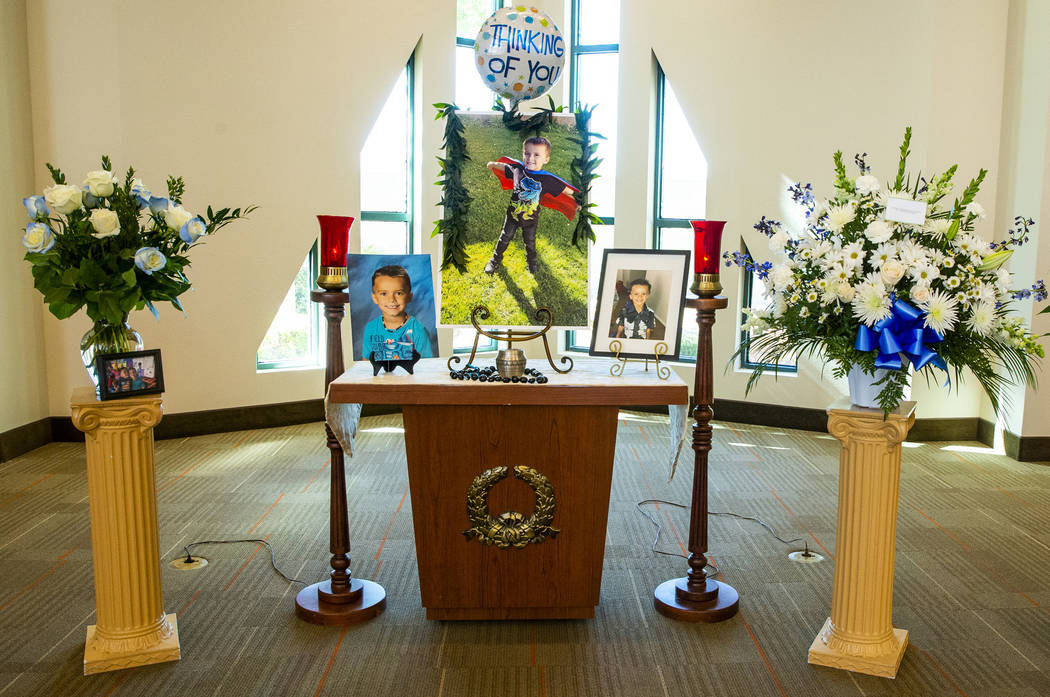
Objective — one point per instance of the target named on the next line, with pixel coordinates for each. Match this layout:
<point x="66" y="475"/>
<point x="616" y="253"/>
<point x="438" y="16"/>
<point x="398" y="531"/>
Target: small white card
<point x="904" y="211"/>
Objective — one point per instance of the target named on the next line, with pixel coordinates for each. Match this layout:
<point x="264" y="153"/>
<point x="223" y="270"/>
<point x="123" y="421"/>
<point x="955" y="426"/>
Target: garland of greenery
<point x="456" y="200"/>
<point x="583" y="173"/>
<point x="454" y="196"/>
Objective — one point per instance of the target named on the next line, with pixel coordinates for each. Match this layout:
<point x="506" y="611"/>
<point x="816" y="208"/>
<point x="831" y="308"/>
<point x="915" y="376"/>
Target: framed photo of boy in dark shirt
<point x="640" y="303"/>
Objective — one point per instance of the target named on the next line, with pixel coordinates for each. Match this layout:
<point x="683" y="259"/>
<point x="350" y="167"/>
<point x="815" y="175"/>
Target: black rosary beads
<point x="489" y="374"/>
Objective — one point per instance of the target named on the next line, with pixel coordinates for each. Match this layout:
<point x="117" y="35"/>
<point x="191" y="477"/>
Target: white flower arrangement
<point x="868" y="289"/>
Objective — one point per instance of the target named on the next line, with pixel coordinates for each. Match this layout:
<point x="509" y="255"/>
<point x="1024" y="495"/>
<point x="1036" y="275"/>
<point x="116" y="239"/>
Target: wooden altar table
<point x="561" y="436"/>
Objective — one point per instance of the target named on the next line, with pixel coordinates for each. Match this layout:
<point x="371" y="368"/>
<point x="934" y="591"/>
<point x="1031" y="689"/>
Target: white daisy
<point x="968" y="243"/>
<point x="913" y="254"/>
<point x="924" y="274"/>
<point x="804" y="312"/>
<point x="840" y="273"/>
<point x="882" y="254"/>
<point x="811" y="296"/>
<point x="853" y="255"/>
<point x="952" y="282"/>
<point x="871" y="303"/>
<point x="941" y="312"/>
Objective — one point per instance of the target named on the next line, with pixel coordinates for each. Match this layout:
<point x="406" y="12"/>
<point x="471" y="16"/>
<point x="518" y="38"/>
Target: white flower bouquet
<point x="112" y="247"/>
<point x="886" y="277"/>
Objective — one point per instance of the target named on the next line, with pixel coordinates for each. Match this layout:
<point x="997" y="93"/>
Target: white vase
<point x="862" y="390"/>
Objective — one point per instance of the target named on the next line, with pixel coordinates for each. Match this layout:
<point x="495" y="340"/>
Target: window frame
<point x="576" y="51"/>
<point x="316" y="337"/>
<point x="747" y="285"/>
<point x="408" y="216"/>
<point x="659" y="222"/>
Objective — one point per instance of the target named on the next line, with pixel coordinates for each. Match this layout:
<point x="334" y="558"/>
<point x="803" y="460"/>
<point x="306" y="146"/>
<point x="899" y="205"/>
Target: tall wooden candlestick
<point x="697" y="598"/>
<point x="342" y="599"/>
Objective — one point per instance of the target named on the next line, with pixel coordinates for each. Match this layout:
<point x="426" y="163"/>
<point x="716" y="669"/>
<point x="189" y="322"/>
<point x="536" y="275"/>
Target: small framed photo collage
<point x="130" y="374"/>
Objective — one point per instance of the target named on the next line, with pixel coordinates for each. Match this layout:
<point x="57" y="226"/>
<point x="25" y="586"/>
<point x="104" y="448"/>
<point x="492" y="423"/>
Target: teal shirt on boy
<point x="382" y="344"/>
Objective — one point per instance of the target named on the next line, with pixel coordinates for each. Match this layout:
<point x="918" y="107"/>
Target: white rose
<point x="891" y="272"/>
<point x="38" y="238"/>
<point x="879" y="231"/>
<point x="105" y="222"/>
<point x="846" y="291"/>
<point x="64" y="198"/>
<point x="867" y="184"/>
<point x="177" y="216"/>
<point x="149" y="259"/>
<point x="920" y="293"/>
<point x="100" y="183"/>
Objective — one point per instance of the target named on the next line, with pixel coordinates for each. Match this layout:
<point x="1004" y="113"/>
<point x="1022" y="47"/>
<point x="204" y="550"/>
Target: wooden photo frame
<point x="660" y="278"/>
<point x="129" y="374"/>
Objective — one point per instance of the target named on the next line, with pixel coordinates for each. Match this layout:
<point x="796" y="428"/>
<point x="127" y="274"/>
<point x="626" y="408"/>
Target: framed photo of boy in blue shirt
<point x="392" y="314"/>
<point x="640" y="303"/>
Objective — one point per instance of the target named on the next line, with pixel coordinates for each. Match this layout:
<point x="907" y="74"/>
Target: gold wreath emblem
<point x="510" y="529"/>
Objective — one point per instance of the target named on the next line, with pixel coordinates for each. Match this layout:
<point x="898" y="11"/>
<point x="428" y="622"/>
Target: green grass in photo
<point x="512" y="294"/>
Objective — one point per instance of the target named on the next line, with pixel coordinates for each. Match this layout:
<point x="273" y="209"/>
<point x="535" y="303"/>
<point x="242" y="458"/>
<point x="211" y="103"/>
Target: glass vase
<point x="106" y="337"/>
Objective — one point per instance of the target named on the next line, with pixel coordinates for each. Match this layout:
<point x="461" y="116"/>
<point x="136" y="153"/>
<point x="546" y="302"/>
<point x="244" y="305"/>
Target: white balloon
<point x="519" y="53"/>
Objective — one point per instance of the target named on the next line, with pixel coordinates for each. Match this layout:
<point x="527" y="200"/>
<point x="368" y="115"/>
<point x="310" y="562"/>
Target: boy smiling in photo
<point x="636" y="320"/>
<point x="532" y="186"/>
<point x="394" y="335"/>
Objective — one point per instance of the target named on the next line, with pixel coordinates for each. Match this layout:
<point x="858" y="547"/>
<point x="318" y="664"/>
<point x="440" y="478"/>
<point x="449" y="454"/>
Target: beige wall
<point x="269" y="103"/>
<point x="1025" y="184"/>
<point x="23" y="381"/>
<point x="252" y="102"/>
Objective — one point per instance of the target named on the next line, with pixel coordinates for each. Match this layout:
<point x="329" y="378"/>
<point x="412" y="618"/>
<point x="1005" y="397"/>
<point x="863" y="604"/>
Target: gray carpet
<point x="973" y="552"/>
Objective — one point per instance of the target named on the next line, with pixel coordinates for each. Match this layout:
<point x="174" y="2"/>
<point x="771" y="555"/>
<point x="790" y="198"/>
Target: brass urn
<point x="510" y="363"/>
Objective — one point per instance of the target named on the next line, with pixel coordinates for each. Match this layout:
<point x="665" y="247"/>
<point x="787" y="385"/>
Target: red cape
<point x="563" y="205"/>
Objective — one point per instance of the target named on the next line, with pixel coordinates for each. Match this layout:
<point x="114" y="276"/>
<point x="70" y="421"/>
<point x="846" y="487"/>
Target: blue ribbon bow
<point x="904" y="331"/>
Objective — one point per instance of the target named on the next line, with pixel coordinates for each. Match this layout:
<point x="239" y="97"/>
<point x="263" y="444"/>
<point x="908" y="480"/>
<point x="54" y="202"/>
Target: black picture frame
<point x="112" y="384"/>
<point x="667" y="270"/>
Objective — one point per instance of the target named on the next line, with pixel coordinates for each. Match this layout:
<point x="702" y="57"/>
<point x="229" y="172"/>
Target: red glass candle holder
<point x="335" y="237"/>
<point x="707" y="254"/>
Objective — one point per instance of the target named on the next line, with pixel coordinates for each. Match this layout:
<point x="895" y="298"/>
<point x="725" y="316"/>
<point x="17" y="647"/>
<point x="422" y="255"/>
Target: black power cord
<point x="273" y="562"/>
<point x="659" y="528"/>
